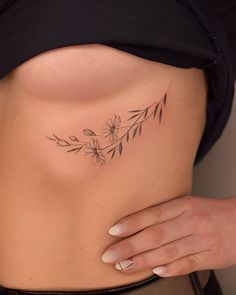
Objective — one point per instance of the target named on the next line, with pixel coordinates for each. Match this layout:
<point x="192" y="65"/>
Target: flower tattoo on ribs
<point x="111" y="131"/>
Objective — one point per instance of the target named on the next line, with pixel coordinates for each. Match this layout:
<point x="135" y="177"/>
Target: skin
<point x="56" y="206"/>
<point x="179" y="236"/>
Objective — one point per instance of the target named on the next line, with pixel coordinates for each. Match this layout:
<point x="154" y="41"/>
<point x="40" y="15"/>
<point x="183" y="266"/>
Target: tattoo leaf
<point x="127" y="137"/>
<point x="111" y="150"/>
<point x="51" y="138"/>
<point x="140" y="129"/>
<point x="135" y="111"/>
<point x="63" y="144"/>
<point x="76" y="150"/>
<point x="133" y="116"/>
<point x="73" y="138"/>
<point x="165" y="98"/>
<point x="135" y="131"/>
<point x="60" y="141"/>
<point x="89" y="132"/>
<point x="145" y="114"/>
<point x="160" y="114"/>
<point x="56" y="137"/>
<point x="155" y="110"/>
<point x="120" y="147"/>
<point x="63" y="140"/>
<point x="113" y="153"/>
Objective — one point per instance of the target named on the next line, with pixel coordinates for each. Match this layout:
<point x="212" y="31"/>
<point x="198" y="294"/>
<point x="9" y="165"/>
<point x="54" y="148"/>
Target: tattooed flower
<point x="93" y="149"/>
<point x="112" y="127"/>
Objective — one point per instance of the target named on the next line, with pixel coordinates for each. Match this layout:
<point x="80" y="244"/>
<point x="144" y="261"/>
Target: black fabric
<point x="212" y="286"/>
<point x="226" y="13"/>
<point x="183" y="33"/>
<point x="220" y="75"/>
<point x="196" y="283"/>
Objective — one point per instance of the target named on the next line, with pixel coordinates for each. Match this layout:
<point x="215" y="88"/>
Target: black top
<point x="183" y="33"/>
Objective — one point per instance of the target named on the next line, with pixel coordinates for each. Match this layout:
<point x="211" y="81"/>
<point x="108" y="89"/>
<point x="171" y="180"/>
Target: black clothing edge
<point x="221" y="97"/>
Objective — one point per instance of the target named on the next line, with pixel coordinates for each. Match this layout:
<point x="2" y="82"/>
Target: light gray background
<point x="215" y="176"/>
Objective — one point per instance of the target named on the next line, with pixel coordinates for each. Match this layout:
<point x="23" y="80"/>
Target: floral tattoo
<point x="111" y="131"/>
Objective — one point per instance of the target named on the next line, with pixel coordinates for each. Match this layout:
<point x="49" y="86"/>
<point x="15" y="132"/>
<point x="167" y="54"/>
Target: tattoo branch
<point x="111" y="130"/>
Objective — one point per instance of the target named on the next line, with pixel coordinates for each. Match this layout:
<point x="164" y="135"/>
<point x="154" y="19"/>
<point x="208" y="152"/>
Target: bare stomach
<point x="88" y="137"/>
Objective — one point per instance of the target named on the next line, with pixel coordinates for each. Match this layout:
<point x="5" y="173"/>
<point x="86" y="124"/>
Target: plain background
<point x="215" y="176"/>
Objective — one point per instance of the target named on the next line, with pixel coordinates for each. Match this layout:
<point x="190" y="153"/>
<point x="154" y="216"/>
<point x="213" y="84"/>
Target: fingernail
<point x="117" y="229"/>
<point x="110" y="256"/>
<point x="125" y="264"/>
<point x="160" y="270"/>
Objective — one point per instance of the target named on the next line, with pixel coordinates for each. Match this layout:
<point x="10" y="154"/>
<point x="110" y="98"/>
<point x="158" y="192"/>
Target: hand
<point x="177" y="237"/>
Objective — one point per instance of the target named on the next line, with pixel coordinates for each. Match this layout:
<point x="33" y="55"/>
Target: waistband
<point x="153" y="285"/>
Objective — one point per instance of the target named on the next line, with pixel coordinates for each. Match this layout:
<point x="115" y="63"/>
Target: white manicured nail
<point x="125" y="264"/>
<point x="117" y="229"/>
<point x="160" y="270"/>
<point x="110" y="256"/>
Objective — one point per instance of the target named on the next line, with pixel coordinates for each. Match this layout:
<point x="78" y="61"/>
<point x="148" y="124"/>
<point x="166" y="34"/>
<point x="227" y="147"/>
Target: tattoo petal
<point x="89" y="132"/>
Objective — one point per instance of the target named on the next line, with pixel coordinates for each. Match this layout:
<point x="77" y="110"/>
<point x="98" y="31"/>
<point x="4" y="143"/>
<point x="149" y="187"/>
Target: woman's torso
<point x="56" y="206"/>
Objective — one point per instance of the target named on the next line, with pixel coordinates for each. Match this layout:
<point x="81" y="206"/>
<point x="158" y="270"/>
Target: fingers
<point x="178" y="256"/>
<point x="149" y="238"/>
<point x="152" y="215"/>
<point x="184" y="265"/>
<point x="182" y="235"/>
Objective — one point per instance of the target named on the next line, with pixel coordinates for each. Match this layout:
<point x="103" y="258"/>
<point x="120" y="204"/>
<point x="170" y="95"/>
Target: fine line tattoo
<point x="110" y="131"/>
